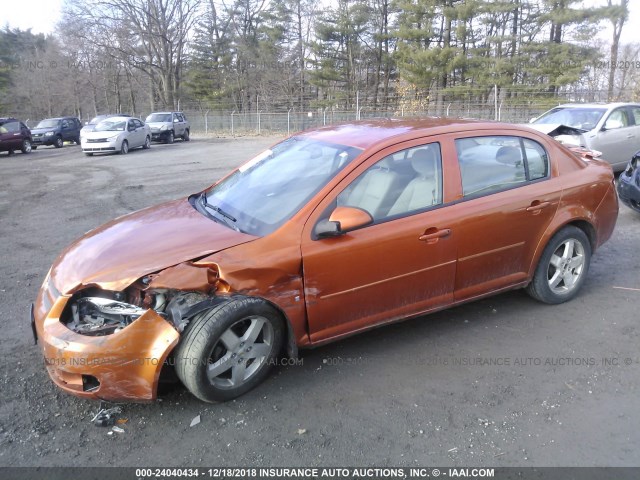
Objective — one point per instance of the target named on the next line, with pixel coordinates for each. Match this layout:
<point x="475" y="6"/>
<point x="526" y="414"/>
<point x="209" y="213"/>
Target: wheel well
<point x="290" y="346"/>
<point x="589" y="230"/>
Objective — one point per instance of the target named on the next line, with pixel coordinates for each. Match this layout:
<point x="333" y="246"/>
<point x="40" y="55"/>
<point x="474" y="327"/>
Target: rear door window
<point x="495" y="163"/>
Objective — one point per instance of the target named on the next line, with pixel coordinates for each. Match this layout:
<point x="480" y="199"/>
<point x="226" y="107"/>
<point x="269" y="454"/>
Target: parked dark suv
<point x="14" y="135"/>
<point x="56" y="131"/>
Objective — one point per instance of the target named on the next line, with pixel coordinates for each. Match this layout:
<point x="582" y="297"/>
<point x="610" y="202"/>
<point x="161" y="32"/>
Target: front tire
<point x="228" y="350"/>
<point x="58" y="143"/>
<point x="562" y="268"/>
<point x="26" y="146"/>
<point x="170" y="137"/>
<point x="124" y="148"/>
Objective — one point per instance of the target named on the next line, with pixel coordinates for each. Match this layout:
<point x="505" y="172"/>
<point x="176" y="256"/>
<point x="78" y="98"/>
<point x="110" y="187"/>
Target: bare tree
<point x="619" y="15"/>
<point x="148" y="35"/>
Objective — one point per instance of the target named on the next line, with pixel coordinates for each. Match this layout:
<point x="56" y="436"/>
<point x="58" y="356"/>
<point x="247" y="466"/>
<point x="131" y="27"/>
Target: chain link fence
<point x="512" y="106"/>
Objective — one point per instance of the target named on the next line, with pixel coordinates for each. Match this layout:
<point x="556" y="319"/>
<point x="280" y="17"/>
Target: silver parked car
<point x="610" y="128"/>
<point x="117" y="134"/>
<point x="90" y="126"/>
<point x="167" y="126"/>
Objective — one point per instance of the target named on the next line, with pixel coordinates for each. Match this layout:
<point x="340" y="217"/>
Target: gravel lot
<point x="566" y="391"/>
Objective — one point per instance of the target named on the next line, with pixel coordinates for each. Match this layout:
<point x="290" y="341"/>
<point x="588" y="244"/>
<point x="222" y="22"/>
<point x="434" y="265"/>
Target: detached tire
<point x="562" y="268"/>
<point x="230" y="349"/>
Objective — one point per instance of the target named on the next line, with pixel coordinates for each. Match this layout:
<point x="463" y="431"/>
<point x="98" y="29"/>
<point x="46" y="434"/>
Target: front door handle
<point x="432" y="235"/>
<point x="537" y="205"/>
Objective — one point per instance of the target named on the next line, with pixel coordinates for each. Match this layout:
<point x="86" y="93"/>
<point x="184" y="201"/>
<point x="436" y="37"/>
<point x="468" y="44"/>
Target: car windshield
<point x="50" y="123"/>
<point x="584" y="118"/>
<point x="111" y="126"/>
<point x="269" y="189"/>
<point x="158" y="117"/>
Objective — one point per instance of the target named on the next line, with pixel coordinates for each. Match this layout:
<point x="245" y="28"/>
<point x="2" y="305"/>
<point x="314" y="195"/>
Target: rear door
<point x="509" y="197"/>
<point x="12" y="138"/>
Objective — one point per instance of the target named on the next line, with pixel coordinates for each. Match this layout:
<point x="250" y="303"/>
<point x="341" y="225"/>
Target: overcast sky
<point x="41" y="15"/>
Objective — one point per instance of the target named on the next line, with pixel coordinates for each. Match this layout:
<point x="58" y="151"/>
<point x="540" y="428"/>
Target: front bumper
<point x="97" y="147"/>
<point x="38" y="141"/>
<point x="159" y="135"/>
<point x="124" y="366"/>
<point x="628" y="187"/>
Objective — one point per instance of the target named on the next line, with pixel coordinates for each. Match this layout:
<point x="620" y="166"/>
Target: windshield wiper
<point x="221" y="212"/>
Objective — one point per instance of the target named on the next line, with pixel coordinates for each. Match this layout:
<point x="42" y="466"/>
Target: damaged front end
<point x="113" y="345"/>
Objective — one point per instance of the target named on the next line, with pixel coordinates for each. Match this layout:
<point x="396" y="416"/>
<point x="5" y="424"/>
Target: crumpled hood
<point x="118" y="253"/>
<point x="159" y="125"/>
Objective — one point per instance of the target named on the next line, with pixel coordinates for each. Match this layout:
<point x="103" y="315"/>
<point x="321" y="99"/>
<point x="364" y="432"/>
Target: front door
<point x="617" y="140"/>
<point x="401" y="264"/>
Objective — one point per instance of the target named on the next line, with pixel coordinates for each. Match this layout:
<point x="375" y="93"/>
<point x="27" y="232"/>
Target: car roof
<point x="597" y="105"/>
<point x="8" y="119"/>
<point x="365" y="133"/>
<point x="119" y="117"/>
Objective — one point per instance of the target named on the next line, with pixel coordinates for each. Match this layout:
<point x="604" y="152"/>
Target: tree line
<point x="133" y="56"/>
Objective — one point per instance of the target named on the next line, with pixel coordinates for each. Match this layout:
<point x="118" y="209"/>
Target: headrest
<point x="386" y="163"/>
<point x="423" y="161"/>
<point x="509" y="156"/>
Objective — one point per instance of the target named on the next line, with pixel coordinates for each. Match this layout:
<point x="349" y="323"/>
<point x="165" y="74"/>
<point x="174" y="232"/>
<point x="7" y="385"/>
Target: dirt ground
<point x="505" y="381"/>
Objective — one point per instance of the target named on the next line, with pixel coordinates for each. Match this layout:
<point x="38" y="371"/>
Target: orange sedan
<point x="328" y="233"/>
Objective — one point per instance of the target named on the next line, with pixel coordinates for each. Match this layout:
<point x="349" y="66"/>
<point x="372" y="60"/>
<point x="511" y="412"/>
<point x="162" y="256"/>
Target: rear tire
<point x="147" y="143"/>
<point x="562" y="268"/>
<point x="185" y="136"/>
<point x="230" y="349"/>
<point x="26" y="146"/>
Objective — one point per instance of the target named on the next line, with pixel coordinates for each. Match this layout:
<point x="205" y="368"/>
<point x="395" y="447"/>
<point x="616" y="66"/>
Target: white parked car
<point x="610" y="128"/>
<point x="117" y="134"/>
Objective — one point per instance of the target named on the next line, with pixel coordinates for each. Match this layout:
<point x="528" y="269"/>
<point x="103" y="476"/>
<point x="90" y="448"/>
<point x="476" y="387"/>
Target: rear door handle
<point x="432" y="235"/>
<point x="537" y="205"/>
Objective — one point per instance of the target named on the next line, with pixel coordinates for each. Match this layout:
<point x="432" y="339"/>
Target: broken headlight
<point x="101" y="316"/>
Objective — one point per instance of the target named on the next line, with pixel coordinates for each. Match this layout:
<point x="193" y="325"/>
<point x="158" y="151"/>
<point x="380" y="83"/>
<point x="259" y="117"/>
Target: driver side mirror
<point x="343" y="220"/>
